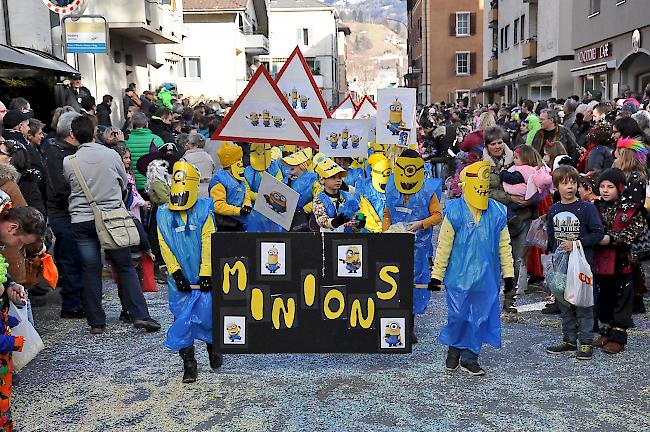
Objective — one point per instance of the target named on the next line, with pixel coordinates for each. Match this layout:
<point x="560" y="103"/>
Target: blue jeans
<point x="465" y="355"/>
<point x="91" y="262"/>
<point x="68" y="260"/>
<point x="577" y="323"/>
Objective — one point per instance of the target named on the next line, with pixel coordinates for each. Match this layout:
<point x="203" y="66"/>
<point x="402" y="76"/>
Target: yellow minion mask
<point x="326" y="168"/>
<point x="475" y="183"/>
<point x="409" y="172"/>
<point x="184" y="190"/>
<point x="302" y="158"/>
<point x="260" y="156"/>
<point x="380" y="174"/>
<point x="288" y="149"/>
<point x="230" y="156"/>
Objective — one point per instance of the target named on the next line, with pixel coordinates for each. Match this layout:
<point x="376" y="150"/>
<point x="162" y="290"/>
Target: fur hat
<point x="614" y="175"/>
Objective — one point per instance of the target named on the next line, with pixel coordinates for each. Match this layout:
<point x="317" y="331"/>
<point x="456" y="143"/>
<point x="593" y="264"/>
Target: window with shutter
<point x="515" y="29"/>
<point x="462" y="63"/>
<point x="462" y="24"/>
<point x="452" y="24"/>
<point x="472" y="23"/>
<point x="472" y="63"/>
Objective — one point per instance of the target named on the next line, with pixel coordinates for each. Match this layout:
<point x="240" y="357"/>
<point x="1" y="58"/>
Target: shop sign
<point x="595" y="53"/>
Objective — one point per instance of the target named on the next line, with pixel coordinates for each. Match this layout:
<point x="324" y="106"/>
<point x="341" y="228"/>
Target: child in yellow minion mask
<point x="472" y="257"/>
<point x="300" y="179"/>
<point x="372" y="192"/>
<point x="229" y="190"/>
<point x="335" y="209"/>
<point x="261" y="161"/>
<point x="185" y="226"/>
<point x="413" y="200"/>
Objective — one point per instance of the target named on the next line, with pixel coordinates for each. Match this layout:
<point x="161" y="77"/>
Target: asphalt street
<point x="125" y="380"/>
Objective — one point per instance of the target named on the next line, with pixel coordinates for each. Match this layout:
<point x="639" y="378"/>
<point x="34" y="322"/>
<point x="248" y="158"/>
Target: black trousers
<point x="614" y="294"/>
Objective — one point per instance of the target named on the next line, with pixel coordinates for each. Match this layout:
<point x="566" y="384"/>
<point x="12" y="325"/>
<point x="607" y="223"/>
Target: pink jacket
<point x="536" y="181"/>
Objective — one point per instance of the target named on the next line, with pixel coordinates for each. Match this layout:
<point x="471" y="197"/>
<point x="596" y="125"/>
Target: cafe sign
<point x="595" y="53"/>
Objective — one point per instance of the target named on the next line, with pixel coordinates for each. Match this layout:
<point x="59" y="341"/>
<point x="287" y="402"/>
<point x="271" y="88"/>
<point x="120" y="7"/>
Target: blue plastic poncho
<point x="473" y="277"/>
<point x="254" y="178"/>
<point x="192" y="311"/>
<point x="354" y="175"/>
<point x="235" y="190"/>
<point x="286" y="171"/>
<point x="417" y="208"/>
<point x="348" y="208"/>
<point x="377" y="199"/>
<point x="303" y="184"/>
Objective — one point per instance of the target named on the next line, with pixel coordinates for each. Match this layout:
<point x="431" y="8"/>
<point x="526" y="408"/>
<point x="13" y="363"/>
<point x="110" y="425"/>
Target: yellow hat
<point x="374" y="158"/>
<point x="260" y="156"/>
<point x="297" y="158"/>
<point x="326" y="168"/>
<point x="289" y="148"/>
<point x="229" y="153"/>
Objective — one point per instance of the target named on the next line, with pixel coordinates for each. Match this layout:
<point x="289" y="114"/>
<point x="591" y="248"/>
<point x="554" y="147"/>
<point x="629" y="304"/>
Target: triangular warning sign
<point x="312" y="129"/>
<point x="345" y="110"/>
<point x="298" y="86"/>
<point x="262" y="114"/>
<point x="366" y="110"/>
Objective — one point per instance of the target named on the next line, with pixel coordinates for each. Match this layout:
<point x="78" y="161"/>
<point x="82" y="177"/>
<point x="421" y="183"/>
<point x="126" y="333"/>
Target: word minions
<point x="393" y="334"/>
<point x="272" y="262"/>
<point x="277" y="202"/>
<point x="233" y="331"/>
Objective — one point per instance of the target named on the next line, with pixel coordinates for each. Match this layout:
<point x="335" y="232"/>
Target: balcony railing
<point x="529" y="49"/>
<point x="256" y="44"/>
<point x="493" y="68"/>
<point x="493" y="15"/>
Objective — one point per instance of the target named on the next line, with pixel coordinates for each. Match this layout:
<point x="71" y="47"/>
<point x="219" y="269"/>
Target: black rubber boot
<point x="189" y="364"/>
<point x="414" y="339"/>
<point x="216" y="359"/>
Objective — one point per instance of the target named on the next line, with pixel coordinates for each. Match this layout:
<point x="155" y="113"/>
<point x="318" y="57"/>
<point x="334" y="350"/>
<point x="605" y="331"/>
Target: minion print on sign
<point x="234" y="330"/>
<point x="272" y="259"/>
<point x="393" y="333"/>
<point x="350" y="261"/>
<point x="277" y="201"/>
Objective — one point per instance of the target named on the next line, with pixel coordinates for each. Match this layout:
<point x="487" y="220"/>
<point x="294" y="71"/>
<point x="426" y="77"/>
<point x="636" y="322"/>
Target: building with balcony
<point x="315" y="28"/>
<point x="611" y="50"/>
<point x="527" y="50"/>
<point x="221" y="51"/>
<point x="445" y="49"/>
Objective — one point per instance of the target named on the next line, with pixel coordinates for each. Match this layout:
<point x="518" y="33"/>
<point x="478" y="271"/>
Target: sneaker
<point x="150" y="325"/>
<point x="613" y="347"/>
<point x="125" y="317"/>
<point x="561" y="348"/>
<point x="584" y="352"/>
<point x="600" y="342"/>
<point x="453" y="362"/>
<point x="473" y="368"/>
<point x="551" y="309"/>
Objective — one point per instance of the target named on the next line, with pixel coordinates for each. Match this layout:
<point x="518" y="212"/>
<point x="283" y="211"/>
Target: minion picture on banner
<point x="392" y="331"/>
<point x="272" y="259"/>
<point x="395" y="115"/>
<point x="276" y="201"/>
<point x="345" y="138"/>
<point x="350" y="261"/>
<point x="234" y="330"/>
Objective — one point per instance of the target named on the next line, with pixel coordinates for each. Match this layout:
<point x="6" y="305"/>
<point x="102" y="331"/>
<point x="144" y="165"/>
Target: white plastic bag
<point x="579" y="279"/>
<point x="33" y="342"/>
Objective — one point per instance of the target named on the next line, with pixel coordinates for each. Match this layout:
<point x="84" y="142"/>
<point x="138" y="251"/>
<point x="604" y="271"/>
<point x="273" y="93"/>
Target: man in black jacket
<point x="161" y="125"/>
<point x="104" y="111"/>
<point x="66" y="251"/>
<point x="75" y="92"/>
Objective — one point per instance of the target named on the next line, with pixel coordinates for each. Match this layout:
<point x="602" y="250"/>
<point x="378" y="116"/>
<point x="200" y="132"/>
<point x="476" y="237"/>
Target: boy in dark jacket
<point x="623" y="222"/>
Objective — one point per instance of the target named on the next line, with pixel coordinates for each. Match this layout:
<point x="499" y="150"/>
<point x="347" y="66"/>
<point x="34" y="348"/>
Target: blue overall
<point x="235" y="190"/>
<point x="257" y="222"/>
<point x="376" y="198"/>
<point x="304" y="186"/>
<point x="417" y="208"/>
<point x="473" y="277"/>
<point x="348" y="208"/>
<point x="192" y="311"/>
<point x="354" y="175"/>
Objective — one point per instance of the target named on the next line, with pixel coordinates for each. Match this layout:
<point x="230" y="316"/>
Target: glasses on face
<point x="410" y="170"/>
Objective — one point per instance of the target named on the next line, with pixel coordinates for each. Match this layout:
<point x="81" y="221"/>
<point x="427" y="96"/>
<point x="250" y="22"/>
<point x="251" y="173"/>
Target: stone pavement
<point x="125" y="380"/>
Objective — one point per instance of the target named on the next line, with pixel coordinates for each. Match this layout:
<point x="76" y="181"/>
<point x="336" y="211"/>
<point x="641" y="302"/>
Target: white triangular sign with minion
<point x="366" y="110"/>
<point x="262" y="114"/>
<point x="345" y="110"/>
<point x="299" y="87"/>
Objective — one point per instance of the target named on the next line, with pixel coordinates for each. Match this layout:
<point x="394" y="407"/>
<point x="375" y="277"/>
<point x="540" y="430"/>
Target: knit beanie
<point x="614" y="175"/>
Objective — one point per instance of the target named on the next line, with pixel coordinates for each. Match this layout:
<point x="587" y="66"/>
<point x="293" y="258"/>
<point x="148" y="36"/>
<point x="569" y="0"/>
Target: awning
<point x="25" y="62"/>
<point x="522" y="79"/>
<point x="593" y="68"/>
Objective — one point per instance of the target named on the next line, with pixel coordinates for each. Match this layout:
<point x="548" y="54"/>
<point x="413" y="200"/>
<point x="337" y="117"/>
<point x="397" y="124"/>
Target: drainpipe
<point x="5" y="13"/>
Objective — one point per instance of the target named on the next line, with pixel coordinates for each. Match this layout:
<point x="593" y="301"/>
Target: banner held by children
<point x="312" y="292"/>
<point x="276" y="201"/>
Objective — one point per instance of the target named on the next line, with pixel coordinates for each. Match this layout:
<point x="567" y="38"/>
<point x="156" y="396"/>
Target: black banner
<point x="312" y="292"/>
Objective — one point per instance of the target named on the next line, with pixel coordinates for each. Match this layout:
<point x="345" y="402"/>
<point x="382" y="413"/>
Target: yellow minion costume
<point x="228" y="188"/>
<point x="185" y="226"/>
<point x="261" y="161"/>
<point x="473" y="255"/>
<point x="306" y="183"/>
<point x="372" y="192"/>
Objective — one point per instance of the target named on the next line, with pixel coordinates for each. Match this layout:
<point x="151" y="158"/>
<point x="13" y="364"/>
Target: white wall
<point x="216" y="43"/>
<point x="29" y="24"/>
